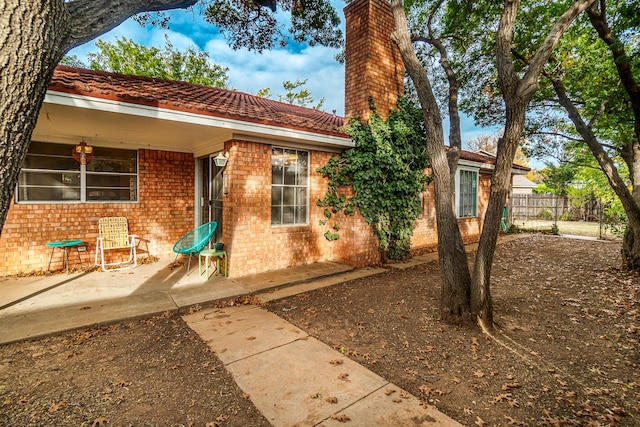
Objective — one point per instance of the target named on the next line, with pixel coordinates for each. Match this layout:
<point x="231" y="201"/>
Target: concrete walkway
<point x="296" y="380"/>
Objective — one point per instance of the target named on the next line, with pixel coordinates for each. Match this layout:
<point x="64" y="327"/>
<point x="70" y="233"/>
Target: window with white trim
<point x="289" y="186"/>
<point x="466" y="193"/>
<point x="50" y="174"/>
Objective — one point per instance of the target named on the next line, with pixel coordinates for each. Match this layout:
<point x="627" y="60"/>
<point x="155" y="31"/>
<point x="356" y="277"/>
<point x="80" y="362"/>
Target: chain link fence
<point x="564" y="215"/>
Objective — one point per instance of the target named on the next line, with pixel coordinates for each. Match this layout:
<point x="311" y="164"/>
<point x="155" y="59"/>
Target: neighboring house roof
<point x="520" y="181"/>
<point x="193" y="98"/>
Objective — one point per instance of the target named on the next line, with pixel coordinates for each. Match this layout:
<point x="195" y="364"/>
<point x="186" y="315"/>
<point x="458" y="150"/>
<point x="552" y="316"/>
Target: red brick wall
<point x="163" y="213"/>
<point x="373" y="67"/>
<point x="255" y="246"/>
<point x="425" y="235"/>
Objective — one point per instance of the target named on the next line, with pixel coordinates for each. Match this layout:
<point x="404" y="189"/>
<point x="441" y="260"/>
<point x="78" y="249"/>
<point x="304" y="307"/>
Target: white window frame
<point x="458" y="192"/>
<point x="83" y="172"/>
<point x="306" y="186"/>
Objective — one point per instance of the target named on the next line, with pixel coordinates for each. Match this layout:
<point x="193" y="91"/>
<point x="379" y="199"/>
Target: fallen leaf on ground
<point x="502" y="398"/>
<point x="99" y="422"/>
<point x="121" y="383"/>
<point x="341" y="417"/>
<point x="57" y="406"/>
<point x="509" y="386"/>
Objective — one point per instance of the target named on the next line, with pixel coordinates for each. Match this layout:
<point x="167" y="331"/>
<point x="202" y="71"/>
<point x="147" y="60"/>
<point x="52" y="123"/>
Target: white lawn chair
<point x="114" y="234"/>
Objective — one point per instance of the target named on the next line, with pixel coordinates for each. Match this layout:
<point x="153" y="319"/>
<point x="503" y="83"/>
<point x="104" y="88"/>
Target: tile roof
<point x="193" y="98"/>
<point x="207" y="101"/>
<point x="486" y="158"/>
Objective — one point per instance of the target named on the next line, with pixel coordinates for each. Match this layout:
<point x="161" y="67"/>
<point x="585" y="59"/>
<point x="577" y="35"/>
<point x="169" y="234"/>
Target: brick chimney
<point x="373" y="66"/>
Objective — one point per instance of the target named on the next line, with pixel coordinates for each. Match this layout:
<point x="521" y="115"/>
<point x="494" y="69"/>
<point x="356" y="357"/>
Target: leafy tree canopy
<point x="249" y="24"/>
<point x="128" y="57"/>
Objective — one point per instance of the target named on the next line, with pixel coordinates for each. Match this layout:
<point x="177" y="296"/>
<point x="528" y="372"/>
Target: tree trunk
<point x="624" y="66"/>
<point x="456" y="279"/>
<point x="34" y="36"/>
<point x="30" y="35"/>
<point x="517" y="93"/>
<point x="481" y="302"/>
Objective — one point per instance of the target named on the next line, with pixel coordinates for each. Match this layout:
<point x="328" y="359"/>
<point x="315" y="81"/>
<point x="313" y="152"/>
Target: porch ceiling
<point x="70" y="124"/>
<point x="69" y="118"/>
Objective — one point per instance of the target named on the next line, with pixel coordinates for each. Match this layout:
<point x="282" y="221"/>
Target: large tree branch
<point x="455" y="137"/>
<point x="529" y="83"/>
<point x="606" y="163"/>
<point x="91" y="18"/>
<point x="622" y="61"/>
<point x="507" y="76"/>
<point x="559" y="134"/>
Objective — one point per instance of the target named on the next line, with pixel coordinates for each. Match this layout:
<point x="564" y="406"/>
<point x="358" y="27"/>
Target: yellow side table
<point x="206" y="254"/>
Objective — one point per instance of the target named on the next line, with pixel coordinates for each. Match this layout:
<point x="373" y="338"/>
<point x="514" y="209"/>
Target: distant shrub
<point x="545" y="214"/>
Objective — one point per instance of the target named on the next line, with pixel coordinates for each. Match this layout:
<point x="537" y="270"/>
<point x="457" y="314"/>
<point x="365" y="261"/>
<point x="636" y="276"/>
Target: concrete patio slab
<point x="274" y="279"/>
<point x="215" y="290"/>
<point x="235" y="333"/>
<point x="43" y="304"/>
<point x="35" y="323"/>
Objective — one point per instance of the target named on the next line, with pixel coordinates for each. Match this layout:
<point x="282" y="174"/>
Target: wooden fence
<point x="539" y="206"/>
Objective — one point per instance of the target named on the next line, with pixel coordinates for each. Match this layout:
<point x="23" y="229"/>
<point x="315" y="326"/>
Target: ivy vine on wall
<point x="381" y="177"/>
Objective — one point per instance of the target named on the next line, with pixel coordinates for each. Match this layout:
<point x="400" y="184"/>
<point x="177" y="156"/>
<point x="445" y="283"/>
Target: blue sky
<point x="250" y="71"/>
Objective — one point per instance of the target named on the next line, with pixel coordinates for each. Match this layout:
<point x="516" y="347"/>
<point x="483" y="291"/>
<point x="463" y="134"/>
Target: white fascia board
<point x="487" y="166"/>
<point x="475" y="165"/>
<point x="238" y="126"/>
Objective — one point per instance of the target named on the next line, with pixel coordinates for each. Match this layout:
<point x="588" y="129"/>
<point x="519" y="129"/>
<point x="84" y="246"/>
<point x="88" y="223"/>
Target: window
<point x="50" y="174"/>
<point x="289" y="186"/>
<point x="466" y="193"/>
<point x="421" y="205"/>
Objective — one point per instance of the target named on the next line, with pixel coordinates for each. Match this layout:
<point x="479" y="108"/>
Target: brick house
<point x="154" y="142"/>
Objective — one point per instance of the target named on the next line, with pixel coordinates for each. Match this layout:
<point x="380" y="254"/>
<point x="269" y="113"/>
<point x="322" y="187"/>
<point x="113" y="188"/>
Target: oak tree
<point x="465" y="293"/>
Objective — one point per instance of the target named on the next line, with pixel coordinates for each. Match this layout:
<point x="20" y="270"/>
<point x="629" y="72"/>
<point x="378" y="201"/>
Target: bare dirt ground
<point x="152" y="372"/>
<point x="566" y="350"/>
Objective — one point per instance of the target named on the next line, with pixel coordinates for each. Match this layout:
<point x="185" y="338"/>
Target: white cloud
<point x="250" y="71"/>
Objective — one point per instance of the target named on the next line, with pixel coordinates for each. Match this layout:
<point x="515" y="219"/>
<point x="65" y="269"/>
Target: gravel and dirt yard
<point x="566" y="350"/>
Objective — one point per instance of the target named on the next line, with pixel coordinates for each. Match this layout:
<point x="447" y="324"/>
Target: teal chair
<point x="194" y="241"/>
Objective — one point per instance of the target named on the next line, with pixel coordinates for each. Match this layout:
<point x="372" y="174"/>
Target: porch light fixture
<point x="82" y="153"/>
<point x="221" y="159"/>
